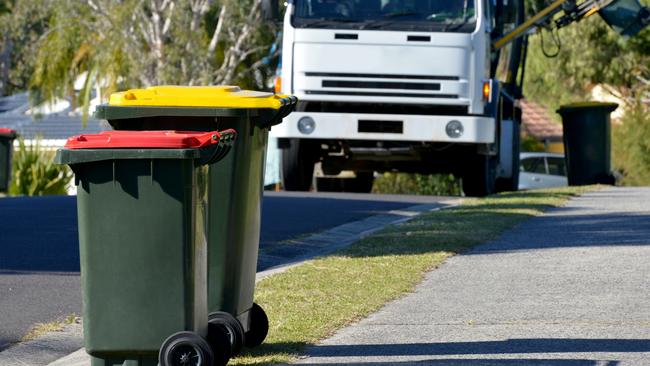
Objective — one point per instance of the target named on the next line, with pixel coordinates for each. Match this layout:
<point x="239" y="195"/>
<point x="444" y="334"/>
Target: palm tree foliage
<point x="110" y="45"/>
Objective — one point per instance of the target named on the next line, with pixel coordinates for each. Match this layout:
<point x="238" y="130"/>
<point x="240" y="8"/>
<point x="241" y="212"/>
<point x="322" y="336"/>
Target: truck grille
<point x="376" y="94"/>
<point x="380" y="85"/>
<point x="381" y="76"/>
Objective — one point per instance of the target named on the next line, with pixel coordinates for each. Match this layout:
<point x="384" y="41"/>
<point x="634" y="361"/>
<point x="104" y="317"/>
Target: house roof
<point x="55" y="126"/>
<point x="538" y="123"/>
<point x="14" y="103"/>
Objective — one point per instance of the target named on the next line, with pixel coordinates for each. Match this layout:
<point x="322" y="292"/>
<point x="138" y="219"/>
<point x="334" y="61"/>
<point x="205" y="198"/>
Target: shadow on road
<point x="505" y="347"/>
<point x="491" y="348"/>
<point x="461" y="229"/>
<point x="38" y="234"/>
<point x="477" y="362"/>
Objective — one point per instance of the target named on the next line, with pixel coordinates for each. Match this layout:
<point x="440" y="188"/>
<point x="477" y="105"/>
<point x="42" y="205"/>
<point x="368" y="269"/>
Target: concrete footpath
<point x="570" y="288"/>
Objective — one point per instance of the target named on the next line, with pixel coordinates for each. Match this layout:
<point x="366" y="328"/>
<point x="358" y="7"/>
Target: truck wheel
<point x="479" y="180"/>
<point x="297" y="166"/>
<point x="329" y="184"/>
<point x="361" y="184"/>
<point x="512" y="183"/>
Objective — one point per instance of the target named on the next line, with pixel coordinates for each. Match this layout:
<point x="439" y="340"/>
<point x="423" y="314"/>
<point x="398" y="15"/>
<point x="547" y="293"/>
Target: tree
<point x="591" y="53"/>
<point x="21" y="24"/>
<point x="115" y="45"/>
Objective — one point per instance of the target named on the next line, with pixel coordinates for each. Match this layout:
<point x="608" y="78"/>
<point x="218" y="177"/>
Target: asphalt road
<point x="39" y="257"/>
<point x="570" y="288"/>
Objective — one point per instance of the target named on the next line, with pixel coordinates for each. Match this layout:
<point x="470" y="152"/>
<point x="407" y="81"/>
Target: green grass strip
<point x="309" y="302"/>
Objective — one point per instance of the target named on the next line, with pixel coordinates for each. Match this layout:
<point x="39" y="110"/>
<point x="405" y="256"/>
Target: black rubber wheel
<point x="259" y="326"/>
<point x="297" y="166"/>
<point x="512" y="183"/>
<point x="328" y="184"/>
<point x="219" y="340"/>
<point x="233" y="328"/>
<point x="480" y="177"/>
<point x="362" y="183"/>
<point x="185" y="349"/>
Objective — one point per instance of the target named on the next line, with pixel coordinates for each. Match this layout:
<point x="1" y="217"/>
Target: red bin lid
<point x="147" y="140"/>
<point x="7" y="131"/>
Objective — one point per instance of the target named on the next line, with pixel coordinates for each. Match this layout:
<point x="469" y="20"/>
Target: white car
<point x="542" y="170"/>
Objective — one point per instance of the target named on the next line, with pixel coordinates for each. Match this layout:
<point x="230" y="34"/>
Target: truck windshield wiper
<point x="315" y="22"/>
<point x="454" y="26"/>
<point x="401" y="14"/>
<point x="376" y="23"/>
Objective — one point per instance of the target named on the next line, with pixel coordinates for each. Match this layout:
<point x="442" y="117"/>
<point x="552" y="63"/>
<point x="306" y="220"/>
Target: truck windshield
<point x="407" y="15"/>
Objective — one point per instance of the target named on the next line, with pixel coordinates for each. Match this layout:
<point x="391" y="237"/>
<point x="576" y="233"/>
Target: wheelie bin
<point x="235" y="188"/>
<point x="7" y="137"/>
<point x="141" y="205"/>
<point x="587" y="142"/>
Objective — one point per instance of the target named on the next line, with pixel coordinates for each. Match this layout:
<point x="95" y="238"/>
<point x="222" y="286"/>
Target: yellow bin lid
<point x="223" y="96"/>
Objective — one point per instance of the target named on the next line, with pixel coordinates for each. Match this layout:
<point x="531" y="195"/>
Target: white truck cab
<point x="400" y="85"/>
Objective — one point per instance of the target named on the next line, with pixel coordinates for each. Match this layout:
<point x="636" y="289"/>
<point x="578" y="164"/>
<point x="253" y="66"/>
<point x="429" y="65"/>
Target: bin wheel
<point x="232" y="326"/>
<point x="219" y="340"/>
<point x="185" y="349"/>
<point x="259" y="327"/>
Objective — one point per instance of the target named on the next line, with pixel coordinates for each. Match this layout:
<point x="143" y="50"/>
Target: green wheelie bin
<point x="7" y="137"/>
<point x="142" y="206"/>
<point x="235" y="188"/>
<point x="587" y="142"/>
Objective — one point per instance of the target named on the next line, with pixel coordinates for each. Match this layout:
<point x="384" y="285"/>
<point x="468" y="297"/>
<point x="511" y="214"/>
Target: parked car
<point x="542" y="170"/>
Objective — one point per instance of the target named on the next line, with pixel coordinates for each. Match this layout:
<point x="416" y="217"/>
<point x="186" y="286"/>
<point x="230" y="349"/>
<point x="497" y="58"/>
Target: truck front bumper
<point x="350" y="126"/>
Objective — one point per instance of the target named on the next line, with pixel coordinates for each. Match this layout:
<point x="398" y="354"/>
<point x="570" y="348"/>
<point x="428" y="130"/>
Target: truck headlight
<point x="454" y="129"/>
<point x="306" y="125"/>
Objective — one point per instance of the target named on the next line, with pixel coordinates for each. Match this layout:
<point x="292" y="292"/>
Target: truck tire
<point x="512" y="184"/>
<point x="480" y="177"/>
<point x="297" y="166"/>
<point x="361" y="184"/>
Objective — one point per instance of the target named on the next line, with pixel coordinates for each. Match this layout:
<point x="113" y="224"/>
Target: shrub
<point x="35" y="173"/>
<point x="631" y="145"/>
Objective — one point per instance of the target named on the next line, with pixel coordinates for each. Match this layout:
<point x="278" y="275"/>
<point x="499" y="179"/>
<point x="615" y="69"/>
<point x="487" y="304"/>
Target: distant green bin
<point x="7" y="137"/>
<point x="587" y="142"/>
<point x="236" y="183"/>
<point x="141" y="205"/>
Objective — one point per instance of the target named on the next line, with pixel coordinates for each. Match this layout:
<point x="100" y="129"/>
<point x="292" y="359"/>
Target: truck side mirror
<point x="270" y="12"/>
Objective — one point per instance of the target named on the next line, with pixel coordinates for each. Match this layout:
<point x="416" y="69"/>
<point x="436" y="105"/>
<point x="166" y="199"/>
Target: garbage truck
<point x="419" y="86"/>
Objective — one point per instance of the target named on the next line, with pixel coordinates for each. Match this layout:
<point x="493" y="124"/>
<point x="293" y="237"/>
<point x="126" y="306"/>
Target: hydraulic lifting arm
<point x="627" y="17"/>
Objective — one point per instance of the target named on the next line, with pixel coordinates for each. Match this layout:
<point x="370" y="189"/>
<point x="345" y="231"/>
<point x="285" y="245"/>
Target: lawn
<point x="309" y="302"/>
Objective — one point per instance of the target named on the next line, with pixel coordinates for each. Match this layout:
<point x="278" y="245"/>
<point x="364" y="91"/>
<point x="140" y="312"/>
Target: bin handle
<point x="288" y="105"/>
<point x="216" y="145"/>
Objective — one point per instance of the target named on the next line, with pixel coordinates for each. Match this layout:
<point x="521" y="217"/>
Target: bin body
<point x="235" y="222"/>
<point x="235" y="184"/>
<point x="7" y="137"/>
<point x="587" y="142"/>
<point x="143" y="250"/>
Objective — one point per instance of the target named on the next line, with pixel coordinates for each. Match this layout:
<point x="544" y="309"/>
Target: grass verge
<point x="309" y="302"/>
<point x="40" y="329"/>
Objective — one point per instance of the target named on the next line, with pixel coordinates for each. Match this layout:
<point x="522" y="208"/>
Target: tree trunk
<point x="5" y="65"/>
